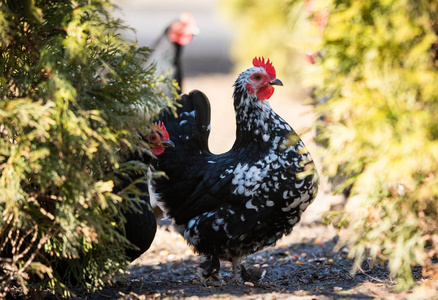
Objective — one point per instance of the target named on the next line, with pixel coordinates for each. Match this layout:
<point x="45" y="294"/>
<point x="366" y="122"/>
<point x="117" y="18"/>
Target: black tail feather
<point x="190" y="130"/>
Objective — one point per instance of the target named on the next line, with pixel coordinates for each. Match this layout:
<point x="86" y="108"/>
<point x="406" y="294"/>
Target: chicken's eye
<point x="153" y="137"/>
<point x="257" y="76"/>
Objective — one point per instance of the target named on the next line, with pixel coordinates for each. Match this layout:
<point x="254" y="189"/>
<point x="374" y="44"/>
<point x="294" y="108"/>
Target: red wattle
<point x="265" y="92"/>
<point x="157" y="150"/>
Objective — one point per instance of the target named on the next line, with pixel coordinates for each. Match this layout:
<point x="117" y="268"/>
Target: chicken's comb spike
<point x="260" y="62"/>
<point x="159" y="126"/>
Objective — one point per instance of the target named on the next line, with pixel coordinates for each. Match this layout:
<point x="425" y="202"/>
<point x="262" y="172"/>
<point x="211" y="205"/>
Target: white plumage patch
<point x="299" y="184"/>
<point x="292" y="205"/>
<point x="240" y="190"/>
<point x="246" y="179"/>
<point x="293" y="221"/>
<point x="191" y="223"/>
<point x="270" y="203"/>
<point x="286" y="195"/>
<point x="249" y="205"/>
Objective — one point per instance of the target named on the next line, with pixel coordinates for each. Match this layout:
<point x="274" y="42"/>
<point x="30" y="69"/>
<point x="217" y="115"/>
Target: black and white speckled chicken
<point x="230" y="205"/>
<point x="141" y="225"/>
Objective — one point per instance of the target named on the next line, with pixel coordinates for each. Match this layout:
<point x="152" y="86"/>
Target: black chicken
<point x="230" y="205"/>
<point x="141" y="226"/>
<point x="168" y="47"/>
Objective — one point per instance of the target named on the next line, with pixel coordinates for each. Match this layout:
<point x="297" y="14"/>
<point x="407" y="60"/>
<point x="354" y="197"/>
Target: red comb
<point x="260" y="62"/>
<point x="159" y="126"/>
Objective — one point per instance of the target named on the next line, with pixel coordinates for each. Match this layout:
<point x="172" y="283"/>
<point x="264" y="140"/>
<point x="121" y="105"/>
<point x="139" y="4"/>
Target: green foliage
<point x="379" y="127"/>
<point x="339" y="219"/>
<point x="71" y="88"/>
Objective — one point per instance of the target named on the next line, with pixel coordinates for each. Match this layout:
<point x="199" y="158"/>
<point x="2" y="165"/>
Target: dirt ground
<point x="308" y="264"/>
<point x="305" y="265"/>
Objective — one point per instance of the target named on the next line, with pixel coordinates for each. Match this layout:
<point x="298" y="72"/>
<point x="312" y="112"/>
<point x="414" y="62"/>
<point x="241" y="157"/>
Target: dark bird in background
<point x="141" y="226"/>
<point x="230" y="205"/>
<point x="168" y="48"/>
<point x="167" y="56"/>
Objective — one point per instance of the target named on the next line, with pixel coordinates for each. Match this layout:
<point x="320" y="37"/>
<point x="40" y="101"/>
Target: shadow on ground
<point x="310" y="269"/>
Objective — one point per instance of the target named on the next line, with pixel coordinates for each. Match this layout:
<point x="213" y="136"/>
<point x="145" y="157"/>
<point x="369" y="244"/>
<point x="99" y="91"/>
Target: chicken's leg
<point x="235" y="278"/>
<point x="209" y="268"/>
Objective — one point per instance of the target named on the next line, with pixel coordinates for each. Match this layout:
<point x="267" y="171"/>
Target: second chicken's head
<point x="183" y="30"/>
<point x="158" y="139"/>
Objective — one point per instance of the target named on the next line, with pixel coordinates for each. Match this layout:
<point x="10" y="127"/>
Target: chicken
<point x="168" y="47"/>
<point x="141" y="226"/>
<point x="230" y="205"/>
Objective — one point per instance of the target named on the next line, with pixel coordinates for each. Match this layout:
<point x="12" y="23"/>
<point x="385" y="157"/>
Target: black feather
<point x="141" y="225"/>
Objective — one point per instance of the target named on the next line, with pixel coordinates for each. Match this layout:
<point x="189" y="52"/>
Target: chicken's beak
<point x="195" y="30"/>
<point x="168" y="143"/>
<point x="276" y="82"/>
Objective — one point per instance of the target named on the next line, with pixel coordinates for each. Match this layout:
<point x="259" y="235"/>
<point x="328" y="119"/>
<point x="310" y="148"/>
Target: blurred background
<point x="207" y="53"/>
